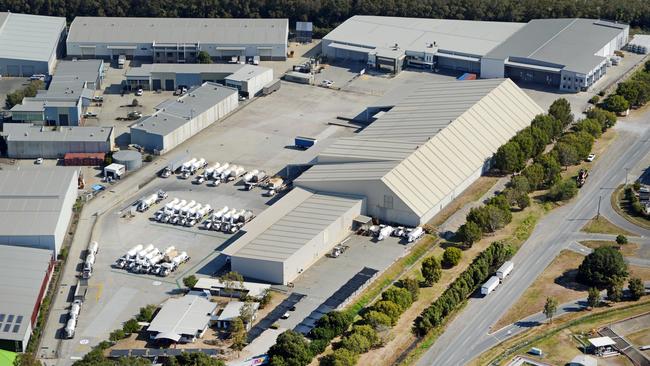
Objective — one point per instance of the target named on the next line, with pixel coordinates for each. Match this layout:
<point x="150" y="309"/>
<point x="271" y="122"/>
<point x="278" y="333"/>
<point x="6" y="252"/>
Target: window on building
<point x="169" y="54"/>
<point x="388" y="201"/>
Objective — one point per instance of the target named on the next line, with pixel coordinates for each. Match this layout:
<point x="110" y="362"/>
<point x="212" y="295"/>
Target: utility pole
<point x="598" y="213"/>
<point x="627" y="170"/>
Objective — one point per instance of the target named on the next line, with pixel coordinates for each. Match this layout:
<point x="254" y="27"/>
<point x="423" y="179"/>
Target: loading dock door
<point x="169" y="84"/>
<point x="13" y="70"/>
<point x="156" y="84"/>
<point x="28" y="70"/>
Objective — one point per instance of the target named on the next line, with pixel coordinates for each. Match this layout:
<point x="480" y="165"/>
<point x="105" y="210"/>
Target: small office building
<point x="248" y="79"/>
<point x="40" y="195"/>
<point x="30" y="44"/>
<point x="27" y="141"/>
<point x="176" y="120"/>
<point x="232" y="311"/>
<point x="177" y="40"/>
<point x="25" y="275"/>
<point x="184" y="319"/>
<point x="63" y="104"/>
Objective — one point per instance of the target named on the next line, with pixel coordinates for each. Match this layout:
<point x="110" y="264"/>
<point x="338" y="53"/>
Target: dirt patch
<point x="558" y="280"/>
<point x="641" y="272"/>
<point x="600" y="225"/>
<point x="627" y="250"/>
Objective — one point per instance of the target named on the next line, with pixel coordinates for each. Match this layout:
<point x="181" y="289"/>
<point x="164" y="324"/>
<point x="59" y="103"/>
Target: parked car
<point x="98" y="98"/>
<point x="37" y="77"/>
<point x="134" y="115"/>
<point x="286" y="315"/>
<point x="180" y="90"/>
<point x="139" y="92"/>
<point x="327" y="83"/>
<point x="591" y="157"/>
<point x="39" y="161"/>
<point x="90" y="115"/>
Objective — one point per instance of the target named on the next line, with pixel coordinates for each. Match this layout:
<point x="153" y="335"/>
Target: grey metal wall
<point x="53" y="149"/>
<point x="13" y="67"/>
<point x="262" y="270"/>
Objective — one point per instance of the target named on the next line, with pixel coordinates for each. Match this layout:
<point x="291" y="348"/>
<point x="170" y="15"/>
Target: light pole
<point x="627" y="170"/>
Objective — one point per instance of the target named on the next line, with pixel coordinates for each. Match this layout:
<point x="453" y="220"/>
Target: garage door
<point x="13" y="70"/>
<point x="87" y="51"/>
<point x="156" y="84"/>
<point x="28" y="70"/>
<point x="265" y="53"/>
<point x="169" y="85"/>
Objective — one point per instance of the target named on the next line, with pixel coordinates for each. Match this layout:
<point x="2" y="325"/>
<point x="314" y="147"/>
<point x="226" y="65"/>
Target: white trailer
<point x="70" y="327"/>
<point x="93" y="247"/>
<point x="142" y="253"/>
<point x="75" y="309"/>
<point x="415" y="234"/>
<point x="385" y="232"/>
<point x="133" y="251"/>
<point x="146" y="202"/>
<point x="505" y="270"/>
<point x="490" y="285"/>
<point x="188" y="165"/>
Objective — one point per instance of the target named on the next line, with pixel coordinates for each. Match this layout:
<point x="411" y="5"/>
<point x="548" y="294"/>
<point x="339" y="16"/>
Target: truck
<point x="70" y="327"/>
<point x="254" y="178"/>
<point x="385" y="232"/>
<point x="415" y="234"/>
<point x="146" y="202"/>
<point x="304" y="143"/>
<point x="505" y="270"/>
<point x="121" y="60"/>
<point x="582" y="177"/>
<point x="490" y="285"/>
<point x="186" y="166"/>
<point x="88" y="266"/>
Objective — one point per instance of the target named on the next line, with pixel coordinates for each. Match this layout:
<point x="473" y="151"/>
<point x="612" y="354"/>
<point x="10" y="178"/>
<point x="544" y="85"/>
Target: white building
<point x="177" y="40"/>
<point x="176" y="120"/>
<point x="183" y="319"/>
<point x="36" y="206"/>
<point x="232" y="311"/>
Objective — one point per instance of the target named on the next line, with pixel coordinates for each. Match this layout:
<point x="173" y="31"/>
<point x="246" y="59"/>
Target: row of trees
<point x="468" y="281"/>
<point x="634" y="92"/>
<point x="633" y="202"/>
<point x="29" y="91"/>
<point x="329" y="13"/>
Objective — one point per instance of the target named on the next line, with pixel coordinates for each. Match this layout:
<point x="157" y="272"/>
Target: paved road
<point x="467" y="336"/>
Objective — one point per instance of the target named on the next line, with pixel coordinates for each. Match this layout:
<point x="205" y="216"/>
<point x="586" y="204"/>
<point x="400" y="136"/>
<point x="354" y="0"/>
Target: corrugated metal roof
<point x="570" y="43"/>
<point x="29" y="37"/>
<point x="186" y="315"/>
<point x="33" y="195"/>
<point x="347" y="172"/>
<point x="463" y="36"/>
<point x="173" y="113"/>
<point x="29" y="132"/>
<point x="233" y="310"/>
<point x="147" y="69"/>
<point x="21" y="276"/>
<point x="178" y="30"/>
<point x="284" y="228"/>
<point x="359" y="149"/>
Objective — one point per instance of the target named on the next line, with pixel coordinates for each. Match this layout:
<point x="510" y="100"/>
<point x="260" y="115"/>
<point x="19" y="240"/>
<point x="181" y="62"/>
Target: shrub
<point x="340" y="357"/>
<point x="389" y="308"/>
<point x="637" y="288"/>
<point x="131" y="326"/>
<point x="376" y="319"/>
<point x="469" y="233"/>
<point x="190" y="281"/>
<point x="146" y="313"/>
<point x="563" y="190"/>
<point x="412" y="286"/>
<point x="594" y="100"/>
<point x="369" y="333"/>
<point x="356" y="343"/>
<point x="431" y="270"/>
<point x="621" y="239"/>
<point x="117" y="335"/>
<point x="400" y="296"/>
<point x="616" y="103"/>
<point x="451" y="257"/>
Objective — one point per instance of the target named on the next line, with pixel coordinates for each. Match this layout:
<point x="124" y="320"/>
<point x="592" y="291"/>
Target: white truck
<point x="490" y="285"/>
<point x="88" y="265"/>
<point x="385" y="232"/>
<point x="415" y="234"/>
<point x="146" y="202"/>
<point x="505" y="270"/>
<point x="121" y="60"/>
<point x="70" y="327"/>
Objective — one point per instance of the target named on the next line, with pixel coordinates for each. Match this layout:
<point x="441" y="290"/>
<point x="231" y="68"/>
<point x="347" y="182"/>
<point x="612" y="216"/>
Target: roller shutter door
<point x="87" y="51"/>
<point x="28" y="70"/>
<point x="156" y="84"/>
<point x="13" y="70"/>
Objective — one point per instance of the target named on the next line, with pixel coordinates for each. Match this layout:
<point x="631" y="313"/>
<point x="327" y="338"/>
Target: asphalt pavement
<point x="467" y="335"/>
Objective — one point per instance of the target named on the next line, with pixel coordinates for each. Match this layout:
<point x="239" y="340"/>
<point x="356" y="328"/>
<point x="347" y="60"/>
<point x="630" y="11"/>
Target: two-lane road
<point x="467" y="335"/>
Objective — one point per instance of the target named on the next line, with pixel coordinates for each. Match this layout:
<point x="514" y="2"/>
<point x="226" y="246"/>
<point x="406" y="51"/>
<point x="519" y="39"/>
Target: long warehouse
<point x="426" y="145"/>
<point x="177" y="40"/>
<point x="26" y="141"/>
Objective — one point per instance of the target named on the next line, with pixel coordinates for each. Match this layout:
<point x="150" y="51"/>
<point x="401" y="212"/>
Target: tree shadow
<point x="568" y="280"/>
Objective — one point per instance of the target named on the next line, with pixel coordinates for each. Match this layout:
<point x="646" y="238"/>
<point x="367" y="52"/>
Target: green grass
<point x="600" y="225"/>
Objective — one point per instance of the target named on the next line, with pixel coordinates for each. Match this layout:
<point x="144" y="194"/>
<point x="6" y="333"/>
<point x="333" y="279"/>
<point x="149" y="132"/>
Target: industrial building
<point x="176" y="120"/>
<point x="183" y="319"/>
<point x="248" y="79"/>
<point x="70" y="92"/>
<point x="292" y="234"/>
<point x="177" y="40"/>
<point x="27" y="141"/>
<point x="30" y="44"/>
<point x="24" y="278"/>
<point x="232" y="311"/>
<point x="567" y="54"/>
<point x="36" y="206"/>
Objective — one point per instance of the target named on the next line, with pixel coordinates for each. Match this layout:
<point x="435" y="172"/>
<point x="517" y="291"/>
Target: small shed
<point x="583" y="360"/>
<point x="114" y="171"/>
<point x="233" y="311"/>
<point x="602" y="345"/>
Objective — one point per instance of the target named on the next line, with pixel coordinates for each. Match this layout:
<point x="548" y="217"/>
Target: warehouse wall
<point x="492" y="68"/>
<point x="32" y="241"/>
<point x="16" y="67"/>
<point x="65" y="215"/>
<point x="54" y="149"/>
<point x="148" y="141"/>
<point x="261" y="270"/>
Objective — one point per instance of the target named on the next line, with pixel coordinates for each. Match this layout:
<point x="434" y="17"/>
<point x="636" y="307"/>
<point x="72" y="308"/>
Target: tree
<point x="204" y="58"/>
<point x="237" y="334"/>
<point x="356" y="343"/>
<point x="146" y="313"/>
<point x="561" y="110"/>
<point x="621" y="239"/>
<point x="14" y="98"/>
<point x="27" y="359"/>
<point x="117" y="335"/>
<point x="265" y="299"/>
<point x="509" y="158"/>
<point x="590" y="126"/>
<point x="637" y="288"/>
<point x="602" y="267"/>
<point x="563" y="190"/>
<point x="340" y="357"/>
<point x="552" y="169"/>
<point x="593" y="299"/>
<point x="190" y="281"/>
<point x="400" y="296"/>
<point x="534" y="174"/>
<point x="412" y="286"/>
<point x="550" y="308"/>
<point x="469" y="233"/>
<point x="291" y="348"/>
<point x="247" y="312"/>
<point x="431" y="270"/>
<point x="451" y="257"/>
<point x="369" y="333"/>
<point x="615" y="290"/>
<point x="616" y="103"/>
<point x="232" y="281"/>
<point x="567" y="154"/>
<point x="131" y="326"/>
<point x="198" y="359"/>
<point x="389" y="308"/>
<point x="606" y="119"/>
<point x="376" y="320"/>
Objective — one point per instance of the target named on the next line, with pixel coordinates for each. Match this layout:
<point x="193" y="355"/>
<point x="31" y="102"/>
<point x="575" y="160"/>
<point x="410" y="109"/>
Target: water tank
<point x="132" y="160"/>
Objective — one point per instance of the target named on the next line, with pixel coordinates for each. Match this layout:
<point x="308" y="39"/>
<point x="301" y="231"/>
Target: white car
<point x="39" y="161"/>
<point x="37" y="77"/>
<point x="286" y="315"/>
<point x="591" y="157"/>
<point x="139" y="92"/>
<point x="90" y="115"/>
<point x="327" y="83"/>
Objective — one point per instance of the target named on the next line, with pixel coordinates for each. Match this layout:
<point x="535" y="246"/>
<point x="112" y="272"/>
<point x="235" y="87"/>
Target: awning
<point x="126" y="47"/>
<point x="87" y="46"/>
<point x="231" y="48"/>
<point x="168" y="335"/>
<point x="533" y="67"/>
<point x="602" y="342"/>
<point x="348" y="47"/>
<point x="458" y="57"/>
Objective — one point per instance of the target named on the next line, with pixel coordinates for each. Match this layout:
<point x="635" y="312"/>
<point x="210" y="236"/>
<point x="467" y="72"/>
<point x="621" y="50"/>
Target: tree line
<point x="326" y="14"/>
<point x="632" y="93"/>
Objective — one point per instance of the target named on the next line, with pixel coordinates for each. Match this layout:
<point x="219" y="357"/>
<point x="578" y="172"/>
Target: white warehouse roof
<point x="29" y="37"/>
<point x="187" y="315"/>
<point x="133" y="30"/>
<point x="462" y="36"/>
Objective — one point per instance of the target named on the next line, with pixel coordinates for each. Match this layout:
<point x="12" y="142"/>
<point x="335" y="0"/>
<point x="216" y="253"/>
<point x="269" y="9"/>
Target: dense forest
<point x="328" y="13"/>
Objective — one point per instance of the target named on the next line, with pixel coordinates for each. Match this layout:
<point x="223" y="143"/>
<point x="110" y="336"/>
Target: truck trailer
<point x="490" y="285"/>
<point x="505" y="270"/>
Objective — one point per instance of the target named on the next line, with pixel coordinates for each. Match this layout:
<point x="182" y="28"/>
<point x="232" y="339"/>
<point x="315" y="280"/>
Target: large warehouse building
<point x="177" y="40"/>
<point x="248" y="79"/>
<point x="30" y="44"/>
<point x="176" y="120"/>
<point x="426" y="145"/>
<point x="567" y="54"/>
<point x="26" y="141"/>
<point x="36" y="206"/>
<point x="24" y="278"/>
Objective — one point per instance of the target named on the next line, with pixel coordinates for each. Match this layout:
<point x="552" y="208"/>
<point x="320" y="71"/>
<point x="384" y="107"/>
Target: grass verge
<point x="627" y="250"/>
<point x="600" y="225"/>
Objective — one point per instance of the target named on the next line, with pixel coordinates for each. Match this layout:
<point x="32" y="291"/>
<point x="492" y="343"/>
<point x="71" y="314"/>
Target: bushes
<point x="431" y="270"/>
<point x="29" y="91"/>
<point x="190" y="281"/>
<point x="469" y="233"/>
<point x="412" y="286"/>
<point x="131" y="326"/>
<point x="451" y="256"/>
<point x="477" y="272"/>
<point x="616" y="103"/>
<point x="563" y="190"/>
<point x="146" y="313"/>
<point x="400" y="296"/>
<point x="621" y="239"/>
<point x="594" y="100"/>
<point x="637" y="288"/>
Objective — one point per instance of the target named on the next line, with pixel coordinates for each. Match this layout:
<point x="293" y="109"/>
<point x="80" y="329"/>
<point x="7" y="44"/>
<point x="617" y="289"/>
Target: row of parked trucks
<point x="183" y="213"/>
<point x="495" y="280"/>
<point x="228" y="220"/>
<point x="150" y="260"/>
<point x="80" y="290"/>
<point x="220" y="173"/>
<point x="381" y="232"/>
